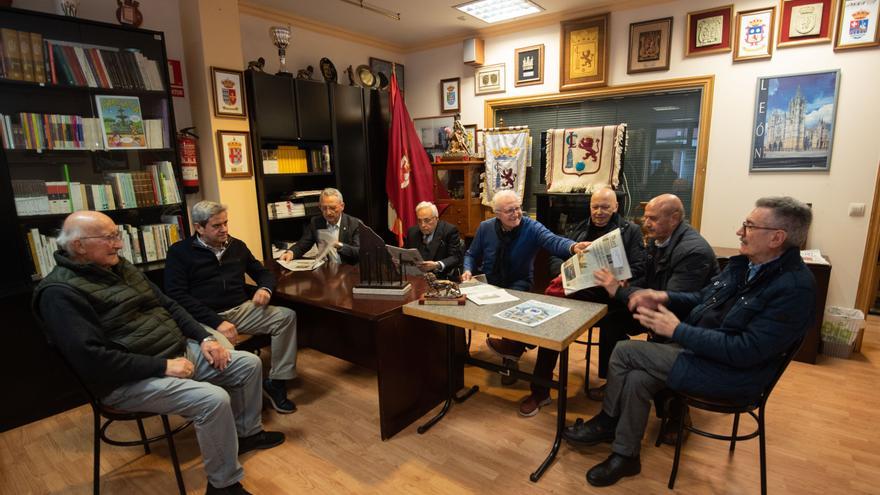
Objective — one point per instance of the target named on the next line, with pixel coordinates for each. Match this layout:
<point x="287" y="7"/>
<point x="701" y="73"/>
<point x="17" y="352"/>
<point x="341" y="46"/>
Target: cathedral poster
<point x="794" y="122"/>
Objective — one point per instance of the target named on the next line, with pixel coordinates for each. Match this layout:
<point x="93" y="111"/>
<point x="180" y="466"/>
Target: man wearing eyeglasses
<point x="729" y="346"/>
<point x="438" y="242"/>
<point x="138" y="350"/>
<point x="344" y="228"/>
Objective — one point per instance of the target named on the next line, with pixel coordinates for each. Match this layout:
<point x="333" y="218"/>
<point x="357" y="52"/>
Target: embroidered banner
<point x="584" y="159"/>
<point x="508" y="153"/>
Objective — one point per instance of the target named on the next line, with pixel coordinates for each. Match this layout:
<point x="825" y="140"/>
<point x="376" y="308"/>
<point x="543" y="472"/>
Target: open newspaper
<point x="607" y="251"/>
<point x="410" y="257"/>
<point x="326" y="249"/>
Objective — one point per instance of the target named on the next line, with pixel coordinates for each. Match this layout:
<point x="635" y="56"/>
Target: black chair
<point x="110" y="415"/>
<point x="729" y="407"/>
<point x="590" y="343"/>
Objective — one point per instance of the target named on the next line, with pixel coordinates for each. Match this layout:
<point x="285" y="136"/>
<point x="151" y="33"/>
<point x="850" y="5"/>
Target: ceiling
<point x="422" y="21"/>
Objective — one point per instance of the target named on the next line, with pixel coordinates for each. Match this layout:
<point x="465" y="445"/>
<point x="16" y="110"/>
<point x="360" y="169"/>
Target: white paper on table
<point x="813" y="256"/>
<point x="492" y="297"/>
<point x="531" y="313"/>
<point x="301" y="265"/>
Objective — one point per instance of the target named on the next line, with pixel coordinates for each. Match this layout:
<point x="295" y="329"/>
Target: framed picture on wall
<point x="529" y="65"/>
<point x="489" y="79"/>
<point x="857" y="24"/>
<point x="753" y="36"/>
<point x="804" y="22"/>
<point x="584" y="56"/>
<point x="379" y="66"/>
<point x="708" y="31"/>
<point x="450" y="95"/>
<point x="228" y="93"/>
<point x="794" y="122"/>
<point x="432" y="130"/>
<point x="470" y="132"/>
<point x="649" y="45"/>
<point x="235" y="154"/>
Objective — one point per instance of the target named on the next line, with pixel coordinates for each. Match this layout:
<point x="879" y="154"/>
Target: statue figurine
<point x="257" y="65"/>
<point x="305" y="73"/>
<point x="350" y="72"/>
<point x="458" y="144"/>
<point x="444" y="289"/>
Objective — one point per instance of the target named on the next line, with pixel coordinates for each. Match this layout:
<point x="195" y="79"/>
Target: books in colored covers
<point x="121" y="122"/>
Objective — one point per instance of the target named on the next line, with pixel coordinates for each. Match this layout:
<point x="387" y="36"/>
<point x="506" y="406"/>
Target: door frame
<point x="870" y="275"/>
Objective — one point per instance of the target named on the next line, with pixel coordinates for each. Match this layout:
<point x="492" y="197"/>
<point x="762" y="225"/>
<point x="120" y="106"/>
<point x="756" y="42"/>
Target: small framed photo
<point x="804" y="22"/>
<point x="470" y="132"/>
<point x="228" y="93"/>
<point x="235" y="154"/>
<point x="857" y="24"/>
<point x="708" y="31"/>
<point x="122" y="123"/>
<point x="753" y="36"/>
<point x="489" y="79"/>
<point x="379" y="66"/>
<point x="794" y="122"/>
<point x="584" y="55"/>
<point x="529" y="65"/>
<point x="450" y="95"/>
<point x="649" y="45"/>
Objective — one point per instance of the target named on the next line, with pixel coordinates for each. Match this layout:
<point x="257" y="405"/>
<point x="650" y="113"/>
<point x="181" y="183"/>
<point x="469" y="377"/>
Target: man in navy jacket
<point x="205" y="274"/>
<point x="730" y="345"/>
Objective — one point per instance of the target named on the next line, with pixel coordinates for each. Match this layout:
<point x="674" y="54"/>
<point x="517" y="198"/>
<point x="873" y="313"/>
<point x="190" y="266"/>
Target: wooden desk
<point x="408" y="354"/>
<point x="822" y="273"/>
<point x="557" y="334"/>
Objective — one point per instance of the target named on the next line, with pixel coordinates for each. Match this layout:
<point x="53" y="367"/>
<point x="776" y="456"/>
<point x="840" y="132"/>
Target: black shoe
<point x="588" y="433"/>
<point x="597" y="394"/>
<point x="260" y="441"/>
<point x="506" y="379"/>
<point x="669" y="435"/>
<point x="609" y="471"/>
<point x="235" y="489"/>
<point x="276" y="392"/>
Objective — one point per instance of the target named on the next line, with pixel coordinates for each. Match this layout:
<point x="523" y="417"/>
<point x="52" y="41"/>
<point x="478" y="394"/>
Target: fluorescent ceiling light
<point x="491" y="11"/>
<point x="665" y="109"/>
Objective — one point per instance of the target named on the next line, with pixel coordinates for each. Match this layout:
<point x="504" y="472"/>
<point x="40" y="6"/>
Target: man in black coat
<point x="345" y="228"/>
<point x="438" y="242"/>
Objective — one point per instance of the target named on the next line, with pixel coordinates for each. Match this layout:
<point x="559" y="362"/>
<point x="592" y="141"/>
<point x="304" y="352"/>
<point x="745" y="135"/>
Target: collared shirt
<point x="664" y="243"/>
<point x="755" y="268"/>
<point x="426" y="239"/>
<point x="333" y="228"/>
<point x="218" y="252"/>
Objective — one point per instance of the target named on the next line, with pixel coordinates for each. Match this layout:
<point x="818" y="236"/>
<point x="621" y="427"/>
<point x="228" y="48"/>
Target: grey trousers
<point x="636" y="372"/>
<point x="223" y="405"/>
<point x="277" y="321"/>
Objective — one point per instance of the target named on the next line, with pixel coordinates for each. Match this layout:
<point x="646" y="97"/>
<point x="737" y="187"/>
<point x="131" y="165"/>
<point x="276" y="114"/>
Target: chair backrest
<point x="787" y="357"/>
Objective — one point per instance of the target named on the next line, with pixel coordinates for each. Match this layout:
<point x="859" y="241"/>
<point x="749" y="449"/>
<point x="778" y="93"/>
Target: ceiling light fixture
<point x="491" y="11"/>
<point x="666" y="109"/>
<point x="374" y="8"/>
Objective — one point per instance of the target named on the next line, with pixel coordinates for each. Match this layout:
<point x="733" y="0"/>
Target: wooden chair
<point x="729" y="407"/>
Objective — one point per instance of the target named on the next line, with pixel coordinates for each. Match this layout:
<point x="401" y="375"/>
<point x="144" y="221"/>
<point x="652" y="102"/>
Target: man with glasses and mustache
<point x="438" y="242"/>
<point x="138" y="350"/>
<point x="729" y="346"/>
<point x="344" y="228"/>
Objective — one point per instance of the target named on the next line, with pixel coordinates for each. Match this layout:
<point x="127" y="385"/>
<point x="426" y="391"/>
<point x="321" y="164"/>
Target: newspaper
<point x="531" y="313"/>
<point x="308" y="264"/>
<point x="486" y="294"/>
<point x="813" y="256"/>
<point x="411" y="257"/>
<point x="605" y="252"/>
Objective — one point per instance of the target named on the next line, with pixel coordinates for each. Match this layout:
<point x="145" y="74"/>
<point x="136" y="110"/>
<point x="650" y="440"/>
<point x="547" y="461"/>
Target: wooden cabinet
<point x="457" y="186"/>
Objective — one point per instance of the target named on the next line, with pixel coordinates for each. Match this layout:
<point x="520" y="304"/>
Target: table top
<point x="557" y="333"/>
<point x="330" y="287"/>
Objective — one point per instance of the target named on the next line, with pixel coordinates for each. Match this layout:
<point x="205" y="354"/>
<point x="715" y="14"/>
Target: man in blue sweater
<point x="205" y="274"/>
<point x="730" y="346"/>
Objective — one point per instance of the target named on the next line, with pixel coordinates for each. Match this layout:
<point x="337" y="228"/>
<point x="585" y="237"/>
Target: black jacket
<point x="629" y="232"/>
<point x="445" y="246"/>
<point x="349" y="236"/>
<point x="204" y="285"/>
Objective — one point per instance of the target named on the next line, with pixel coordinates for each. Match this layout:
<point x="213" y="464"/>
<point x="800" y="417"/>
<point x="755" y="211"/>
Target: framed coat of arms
<point x="229" y="98"/>
<point x="235" y="154"/>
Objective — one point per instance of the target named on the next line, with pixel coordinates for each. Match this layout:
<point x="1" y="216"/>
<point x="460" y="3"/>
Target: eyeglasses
<point x="114" y="237"/>
<point x="510" y="211"/>
<point x="747" y="226"/>
<point x="426" y="220"/>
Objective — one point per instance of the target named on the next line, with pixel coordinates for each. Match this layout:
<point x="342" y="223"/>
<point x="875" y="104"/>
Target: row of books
<point x="285" y="209"/>
<point x="139" y="244"/>
<point x="35" y="131"/>
<point x="293" y="160"/>
<point x="154" y="186"/>
<point x="27" y="56"/>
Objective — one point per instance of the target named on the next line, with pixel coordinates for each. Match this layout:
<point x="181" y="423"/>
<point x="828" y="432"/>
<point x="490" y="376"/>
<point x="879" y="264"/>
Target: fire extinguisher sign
<point x="175" y="74"/>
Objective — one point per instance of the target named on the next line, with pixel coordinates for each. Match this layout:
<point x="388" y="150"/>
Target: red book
<point x="73" y="63"/>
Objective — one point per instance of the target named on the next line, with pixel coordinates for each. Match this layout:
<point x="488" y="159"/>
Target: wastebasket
<point x="840" y="329"/>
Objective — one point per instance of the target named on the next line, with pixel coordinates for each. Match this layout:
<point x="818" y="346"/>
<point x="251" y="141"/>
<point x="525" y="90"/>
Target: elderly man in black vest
<point x="139" y="350"/>
<point x="438" y="242"/>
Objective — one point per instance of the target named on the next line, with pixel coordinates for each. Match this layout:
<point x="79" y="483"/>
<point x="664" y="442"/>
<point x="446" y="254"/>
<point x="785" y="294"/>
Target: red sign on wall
<point x="176" y="76"/>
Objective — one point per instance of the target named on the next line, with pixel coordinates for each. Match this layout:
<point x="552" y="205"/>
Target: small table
<point x="557" y="334"/>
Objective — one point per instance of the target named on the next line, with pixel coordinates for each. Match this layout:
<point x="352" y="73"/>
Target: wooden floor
<point x="822" y="438"/>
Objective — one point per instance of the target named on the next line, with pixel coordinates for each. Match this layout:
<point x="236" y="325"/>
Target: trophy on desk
<point x="281" y="38"/>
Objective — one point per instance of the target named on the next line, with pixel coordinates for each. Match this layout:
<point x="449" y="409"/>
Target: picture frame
<point x="122" y="123"/>
<point x="708" y="31"/>
<point x="228" y="93"/>
<point x="529" y="63"/>
<point x="470" y="132"/>
<point x="650" y="43"/>
<point x="857" y="25"/>
<point x="753" y="36"/>
<point x="804" y="22"/>
<point x="431" y="130"/>
<point x="450" y="95"/>
<point x="377" y="65"/>
<point x="235" y="154"/>
<point x="805" y="102"/>
<point x="584" y="56"/>
<point x="489" y="79"/>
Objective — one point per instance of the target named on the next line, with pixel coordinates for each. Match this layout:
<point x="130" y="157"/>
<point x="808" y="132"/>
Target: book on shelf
<point x="34" y="131"/>
<point x="303" y="194"/>
<point x="285" y="209"/>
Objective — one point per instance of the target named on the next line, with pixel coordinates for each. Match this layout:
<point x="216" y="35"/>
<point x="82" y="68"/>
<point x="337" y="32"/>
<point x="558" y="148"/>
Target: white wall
<point x="730" y="189"/>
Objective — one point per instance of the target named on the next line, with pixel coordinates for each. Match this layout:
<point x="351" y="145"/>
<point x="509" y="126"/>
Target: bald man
<point x="138" y="350"/>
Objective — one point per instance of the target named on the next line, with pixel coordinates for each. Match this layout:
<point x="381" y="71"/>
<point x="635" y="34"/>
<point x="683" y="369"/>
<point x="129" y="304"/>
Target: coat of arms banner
<point x="508" y="153"/>
<point x="583" y="159"/>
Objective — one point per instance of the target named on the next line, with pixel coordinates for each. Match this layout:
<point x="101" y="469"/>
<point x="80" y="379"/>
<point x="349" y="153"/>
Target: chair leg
<point x="763" y="451"/>
<point x="660" y="433"/>
<point x="735" y="430"/>
<point x="143" y="433"/>
<point x="589" y="354"/>
<point x="96" y="442"/>
<point x="173" y="451"/>
<point x="678" y="442"/>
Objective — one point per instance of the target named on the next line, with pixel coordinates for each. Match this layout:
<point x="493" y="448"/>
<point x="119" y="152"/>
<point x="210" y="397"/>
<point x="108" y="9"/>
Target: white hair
<point x="428" y="204"/>
<point x="331" y="191"/>
<point x="504" y="193"/>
